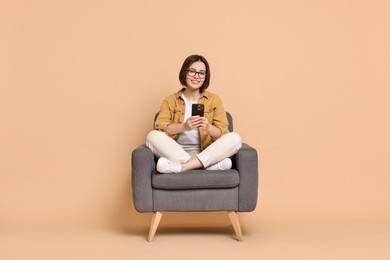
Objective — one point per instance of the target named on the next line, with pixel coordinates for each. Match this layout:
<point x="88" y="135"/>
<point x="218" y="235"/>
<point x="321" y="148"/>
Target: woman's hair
<point x="187" y="63"/>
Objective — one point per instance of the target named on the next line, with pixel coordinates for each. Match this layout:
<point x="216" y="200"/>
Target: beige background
<point x="306" y="81"/>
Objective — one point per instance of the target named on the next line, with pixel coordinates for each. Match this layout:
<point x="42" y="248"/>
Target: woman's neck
<point x="192" y="94"/>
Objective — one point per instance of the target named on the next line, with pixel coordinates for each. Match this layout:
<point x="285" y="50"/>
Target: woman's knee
<point x="235" y="140"/>
<point x="153" y="137"/>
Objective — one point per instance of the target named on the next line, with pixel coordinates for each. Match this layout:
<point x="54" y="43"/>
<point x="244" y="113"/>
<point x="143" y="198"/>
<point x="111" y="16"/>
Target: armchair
<point x="233" y="190"/>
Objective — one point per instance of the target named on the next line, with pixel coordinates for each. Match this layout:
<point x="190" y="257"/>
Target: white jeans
<point x="164" y="146"/>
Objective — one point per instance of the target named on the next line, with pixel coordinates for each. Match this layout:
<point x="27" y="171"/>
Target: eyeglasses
<point x="192" y="73"/>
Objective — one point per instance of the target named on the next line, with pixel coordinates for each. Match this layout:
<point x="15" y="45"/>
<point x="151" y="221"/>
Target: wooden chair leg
<point x="153" y="226"/>
<point x="236" y="224"/>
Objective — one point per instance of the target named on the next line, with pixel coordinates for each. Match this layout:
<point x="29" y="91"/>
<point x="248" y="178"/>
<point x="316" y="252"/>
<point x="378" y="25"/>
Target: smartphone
<point x="197" y="110"/>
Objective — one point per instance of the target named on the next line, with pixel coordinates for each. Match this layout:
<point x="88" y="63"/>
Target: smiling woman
<point x="192" y="66"/>
<point x="184" y="142"/>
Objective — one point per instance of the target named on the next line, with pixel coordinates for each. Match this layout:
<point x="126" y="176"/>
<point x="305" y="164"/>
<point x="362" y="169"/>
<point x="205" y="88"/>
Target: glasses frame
<point x="196" y="72"/>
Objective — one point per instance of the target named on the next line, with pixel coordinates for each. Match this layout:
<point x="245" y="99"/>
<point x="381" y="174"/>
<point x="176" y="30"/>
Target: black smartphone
<point x="197" y="110"/>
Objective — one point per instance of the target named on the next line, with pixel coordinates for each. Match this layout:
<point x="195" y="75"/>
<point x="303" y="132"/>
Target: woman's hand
<point x="202" y="123"/>
<point x="213" y="131"/>
<point x="193" y="122"/>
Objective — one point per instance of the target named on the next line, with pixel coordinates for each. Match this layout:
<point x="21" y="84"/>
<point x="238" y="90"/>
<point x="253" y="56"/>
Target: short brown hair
<point x="187" y="63"/>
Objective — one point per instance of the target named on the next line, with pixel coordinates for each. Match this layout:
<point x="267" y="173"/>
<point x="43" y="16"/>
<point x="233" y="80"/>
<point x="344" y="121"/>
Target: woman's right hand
<point x="192" y="122"/>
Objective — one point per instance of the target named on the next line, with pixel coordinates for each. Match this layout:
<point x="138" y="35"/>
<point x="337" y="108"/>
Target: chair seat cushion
<point x="196" y="179"/>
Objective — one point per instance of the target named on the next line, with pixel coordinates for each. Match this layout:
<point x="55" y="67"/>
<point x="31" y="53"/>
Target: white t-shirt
<point x="189" y="139"/>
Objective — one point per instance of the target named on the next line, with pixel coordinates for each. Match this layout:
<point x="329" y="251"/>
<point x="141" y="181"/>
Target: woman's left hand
<point x="205" y="125"/>
<point x="212" y="130"/>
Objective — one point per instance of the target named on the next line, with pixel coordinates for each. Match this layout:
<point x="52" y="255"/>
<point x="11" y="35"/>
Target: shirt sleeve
<point x="164" y="117"/>
<point x="220" y="119"/>
<point x="168" y="114"/>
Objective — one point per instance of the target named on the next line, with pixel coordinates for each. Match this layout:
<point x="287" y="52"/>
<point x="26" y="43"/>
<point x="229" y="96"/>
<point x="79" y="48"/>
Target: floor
<point x="265" y="239"/>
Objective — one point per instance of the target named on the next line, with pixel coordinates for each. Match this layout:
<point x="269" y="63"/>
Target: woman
<point x="184" y="142"/>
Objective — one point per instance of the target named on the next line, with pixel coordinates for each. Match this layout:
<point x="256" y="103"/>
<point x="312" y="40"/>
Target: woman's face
<point x="196" y="75"/>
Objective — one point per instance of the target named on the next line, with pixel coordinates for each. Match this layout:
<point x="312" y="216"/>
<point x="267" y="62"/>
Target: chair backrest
<point x="230" y="120"/>
<point x="228" y="115"/>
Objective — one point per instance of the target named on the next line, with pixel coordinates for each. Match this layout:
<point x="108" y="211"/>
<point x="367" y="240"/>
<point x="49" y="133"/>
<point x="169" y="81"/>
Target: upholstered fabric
<point x="196" y="179"/>
<point x="143" y="165"/>
<point x="246" y="163"/>
<point x="196" y="200"/>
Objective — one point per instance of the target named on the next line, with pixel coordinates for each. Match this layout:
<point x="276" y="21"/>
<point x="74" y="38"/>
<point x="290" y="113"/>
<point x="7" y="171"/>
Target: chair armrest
<point x="142" y="165"/>
<point x="246" y="163"/>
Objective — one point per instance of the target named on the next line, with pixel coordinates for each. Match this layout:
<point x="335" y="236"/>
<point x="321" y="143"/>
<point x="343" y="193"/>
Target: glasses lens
<point x="202" y="74"/>
<point x="192" y="73"/>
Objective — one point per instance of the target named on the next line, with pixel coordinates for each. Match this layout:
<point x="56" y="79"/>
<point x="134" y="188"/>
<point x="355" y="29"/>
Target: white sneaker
<point x="225" y="164"/>
<point x="166" y="166"/>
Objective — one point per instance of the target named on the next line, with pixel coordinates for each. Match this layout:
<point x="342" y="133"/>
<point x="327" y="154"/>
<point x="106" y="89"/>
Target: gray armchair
<point x="233" y="190"/>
